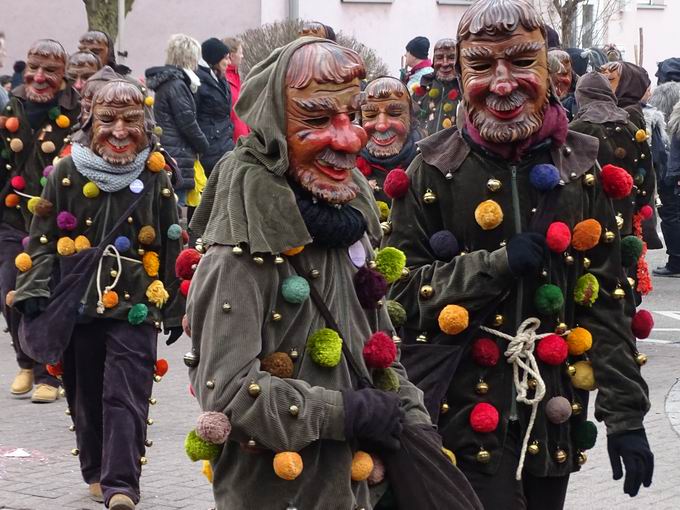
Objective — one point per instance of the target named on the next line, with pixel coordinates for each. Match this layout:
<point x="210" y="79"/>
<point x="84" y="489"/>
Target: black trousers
<point x="501" y="491"/>
<point x="108" y="375"/>
<point x="669" y="213"/>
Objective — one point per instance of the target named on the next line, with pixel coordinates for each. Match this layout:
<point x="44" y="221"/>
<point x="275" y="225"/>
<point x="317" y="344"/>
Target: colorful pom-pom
<point x="110" y="299"/>
<point x="646" y="211"/>
<point x="18" y="182"/>
<point x="485" y="352"/>
<point x="362" y="465"/>
<point x="585" y="435"/>
<point x="152" y="263"/>
<point x="147" y="235"/>
<point x="544" y="177"/>
<point x="548" y="299"/>
<point x="288" y="465"/>
<point x="325" y="347"/>
<point x="370" y="287"/>
<point x="184" y="287"/>
<point x="24" y="242"/>
<point x="397" y="313"/>
<point x="364" y="167"/>
<point x="155" y="162"/>
<point x="488" y="215"/>
<point x="213" y="427"/>
<point x="552" y="350"/>
<point x="161" y="367"/>
<point x="137" y="314"/>
<point x="82" y="243"/>
<point x="434" y="93"/>
<point x="484" y="418"/>
<point x="62" y="121"/>
<point x="579" y="340"/>
<point x="43" y="208"/>
<point x="66" y="246"/>
<point x="66" y="221"/>
<point x="174" y="232"/>
<point x="453" y="95"/>
<point x="200" y="449"/>
<point x="447" y="123"/>
<point x="12" y="200"/>
<point x="278" y="364"/>
<point x="54" y="112"/>
<point x="418" y="90"/>
<point x="293" y="251"/>
<point x="390" y="262"/>
<point x="558" y="410"/>
<point x="380" y="350"/>
<point x="383" y="210"/>
<point x="91" y="190"/>
<point x="587" y="290"/>
<point x="642" y="324"/>
<point x="295" y="290"/>
<point x="12" y="124"/>
<point x="186" y="263"/>
<point x="640" y="135"/>
<point x="56" y="370"/>
<point x="16" y="145"/>
<point x="616" y="182"/>
<point x="631" y="250"/>
<point x="378" y="474"/>
<point x="396" y="183"/>
<point x="583" y="378"/>
<point x="386" y="380"/>
<point x="448" y="107"/>
<point x="148" y="101"/>
<point x="444" y="245"/>
<point x="156" y="293"/>
<point x="32" y="203"/>
<point x="586" y="234"/>
<point x="453" y="319"/>
<point x="558" y="237"/>
<point x="122" y="244"/>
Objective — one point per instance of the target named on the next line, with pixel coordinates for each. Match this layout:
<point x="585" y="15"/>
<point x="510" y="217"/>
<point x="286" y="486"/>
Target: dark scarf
<point x="37" y="112"/>
<point x="329" y="226"/>
<point x="596" y="101"/>
<point x="402" y="159"/>
<point x="633" y="85"/>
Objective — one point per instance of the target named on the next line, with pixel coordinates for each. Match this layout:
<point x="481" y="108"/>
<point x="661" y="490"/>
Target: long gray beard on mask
<point x="383" y="151"/>
<point x="495" y="131"/>
<point x="114" y="159"/>
<point x="37" y="98"/>
<point x="323" y="188"/>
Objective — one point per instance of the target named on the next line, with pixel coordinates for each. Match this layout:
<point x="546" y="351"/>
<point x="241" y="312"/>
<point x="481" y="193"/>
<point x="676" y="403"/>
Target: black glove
<point x="174" y="333"/>
<point x="373" y="417"/>
<point x="633" y="448"/>
<point x="525" y="253"/>
<point x="32" y="307"/>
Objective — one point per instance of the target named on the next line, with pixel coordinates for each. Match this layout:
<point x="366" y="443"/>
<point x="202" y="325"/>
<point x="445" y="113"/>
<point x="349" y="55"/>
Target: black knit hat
<point x="419" y="47"/>
<point x="213" y="51"/>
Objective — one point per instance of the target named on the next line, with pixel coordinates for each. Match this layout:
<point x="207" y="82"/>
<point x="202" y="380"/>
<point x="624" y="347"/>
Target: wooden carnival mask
<point x="80" y="67"/>
<point x="44" y="74"/>
<point x="386" y="116"/>
<point x="444" y="60"/>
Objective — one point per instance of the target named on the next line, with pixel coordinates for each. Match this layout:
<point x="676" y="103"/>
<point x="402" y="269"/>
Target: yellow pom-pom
<point x="91" y="190"/>
<point x="447" y="123"/>
<point x="207" y="471"/>
<point x="156" y="162"/>
<point x="384" y="210"/>
<point x="23" y="262"/>
<point x="32" y="202"/>
<point x="82" y="243"/>
<point x="362" y="465"/>
<point x="488" y="215"/>
<point x="62" y="121"/>
<point x="448" y="107"/>
<point x="148" y="101"/>
<point x="583" y="378"/>
<point x="157" y="294"/>
<point x="151" y="263"/>
<point x="641" y="135"/>
<point x="434" y="93"/>
<point x="450" y="455"/>
<point x="453" y="319"/>
<point x="288" y="465"/>
<point x="579" y="341"/>
<point x="66" y="246"/>
<point x="293" y="251"/>
<point x="147" y="235"/>
<point x="110" y="298"/>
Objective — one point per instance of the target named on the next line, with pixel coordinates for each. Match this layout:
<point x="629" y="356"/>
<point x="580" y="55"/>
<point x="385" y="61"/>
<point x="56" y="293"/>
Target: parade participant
<point x="630" y="83"/>
<point x="416" y="63"/>
<point x="317" y="29"/>
<point x="80" y="67"/>
<point x="564" y="81"/>
<point x="278" y="218"/>
<point x="100" y="44"/>
<point x="483" y="205"/>
<point x="438" y="94"/>
<point x="35" y="122"/>
<point x="110" y="194"/>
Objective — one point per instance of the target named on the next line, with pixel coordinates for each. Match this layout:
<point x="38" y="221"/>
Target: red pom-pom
<point x="646" y="212"/>
<point x="484" y="418"/>
<point x="66" y="150"/>
<point x="453" y="95"/>
<point x="643" y="324"/>
<point x="558" y="237"/>
<point x="616" y="182"/>
<point x="552" y="350"/>
<point x="18" y="182"/>
<point x="55" y="370"/>
<point x="396" y="183"/>
<point x="380" y="351"/>
<point x="191" y="391"/>
<point x="485" y="352"/>
<point x="185" y="237"/>
<point x="364" y="166"/>
<point x="186" y="263"/>
<point x="419" y="90"/>
<point x="184" y="287"/>
<point x="161" y="367"/>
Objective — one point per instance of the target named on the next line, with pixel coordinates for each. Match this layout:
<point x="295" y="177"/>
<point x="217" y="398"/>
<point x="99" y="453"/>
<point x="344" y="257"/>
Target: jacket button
<point x="483" y="456"/>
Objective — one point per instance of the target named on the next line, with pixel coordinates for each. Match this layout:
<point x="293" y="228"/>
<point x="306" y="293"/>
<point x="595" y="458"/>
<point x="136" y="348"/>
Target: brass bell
<point x="226" y="307"/>
<point x="586" y="262"/>
<point x="639" y="179"/>
<point x="483" y="456"/>
<point x="276" y="316"/>
<point x="157" y="378"/>
<point x="210" y="385"/>
<point x="386" y="227"/>
<point x="294" y="354"/>
<point x="258" y="260"/>
<point x="67" y="412"/>
<point x="314" y="273"/>
<point x="113" y="273"/>
<point x="619" y="293"/>
<point x="396" y="339"/>
<point x="126" y="296"/>
<point x="130" y="220"/>
<point x="149" y="421"/>
<point x="444" y="408"/>
<point x="561" y="328"/>
<point x="482" y="388"/>
<point x="589" y="180"/>
<point x="75" y="452"/>
<point x="72" y="428"/>
<point x="422" y="338"/>
<point x="294" y="410"/>
<point x="152" y="401"/>
<point x="631" y="282"/>
<point x="88" y="222"/>
<point x="140" y="252"/>
<point x="251" y="443"/>
<point x="66" y="182"/>
<point x="533" y="448"/>
<point x="278" y="260"/>
<point x="569" y="260"/>
<point x="493" y="185"/>
<point x="560" y="456"/>
<point x="498" y="320"/>
<point x="429" y="197"/>
<point x="143" y="461"/>
<point x="571" y="370"/>
<point x="43" y="239"/>
<point x="191" y="359"/>
<point x="609" y="236"/>
<point x="426" y="291"/>
<point x="254" y="389"/>
<point x="619" y="221"/>
<point x="166" y="192"/>
<point x="643" y="156"/>
<point x="237" y="250"/>
<point x="148" y="443"/>
<point x="582" y="458"/>
<point x="532" y="383"/>
<point x="640" y="358"/>
<point x="576" y="408"/>
<point x="405" y="273"/>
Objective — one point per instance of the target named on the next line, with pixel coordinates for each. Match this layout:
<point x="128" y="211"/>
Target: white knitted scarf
<point x="106" y="176"/>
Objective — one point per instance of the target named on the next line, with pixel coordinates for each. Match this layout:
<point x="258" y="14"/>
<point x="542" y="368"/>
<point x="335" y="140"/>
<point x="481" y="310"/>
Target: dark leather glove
<point x="174" y="333"/>
<point x="633" y="448"/>
<point x="32" y="307"/>
<point x="525" y="253"/>
<point x="373" y="417"/>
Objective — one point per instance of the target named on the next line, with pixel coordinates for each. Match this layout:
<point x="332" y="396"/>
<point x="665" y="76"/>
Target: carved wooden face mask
<point x="43" y="77"/>
<point x="386" y="117"/>
<point x="79" y="72"/>
<point x="506" y="83"/>
<point x="444" y="60"/>
<point x="98" y="47"/>
<point x="612" y="71"/>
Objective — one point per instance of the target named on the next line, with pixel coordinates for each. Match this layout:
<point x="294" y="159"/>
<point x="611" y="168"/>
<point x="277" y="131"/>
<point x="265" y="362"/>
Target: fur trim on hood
<point x="157" y="76"/>
<point x="665" y="97"/>
<point x="655" y="123"/>
<point x="674" y="121"/>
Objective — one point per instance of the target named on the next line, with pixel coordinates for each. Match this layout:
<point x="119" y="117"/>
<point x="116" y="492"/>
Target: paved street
<point x="49" y="479"/>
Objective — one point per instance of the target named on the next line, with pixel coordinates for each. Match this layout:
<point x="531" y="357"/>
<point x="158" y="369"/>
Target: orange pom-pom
<point x="288" y="465"/>
<point x="66" y="246"/>
<point x="156" y="162"/>
<point x="586" y="235"/>
<point x="12" y="124"/>
<point x="579" y="341"/>
<point x="151" y="263"/>
<point x="362" y="465"/>
<point x="293" y="251"/>
<point x="110" y="299"/>
<point x="82" y="243"/>
<point x="12" y="200"/>
<point x="161" y="367"/>
<point x="62" y="121"/>
<point x="453" y="319"/>
<point x="23" y="262"/>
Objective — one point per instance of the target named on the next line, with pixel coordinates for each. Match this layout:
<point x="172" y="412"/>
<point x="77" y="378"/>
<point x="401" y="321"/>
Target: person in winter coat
<point x="18" y="76"/>
<point x="515" y="260"/>
<point x="175" y="85"/>
<point x="668" y="70"/>
<point x="416" y="62"/>
<point x="111" y="193"/>
<point x="288" y="213"/>
<point x="33" y="127"/>
<point x="213" y="102"/>
<point x="235" y="47"/>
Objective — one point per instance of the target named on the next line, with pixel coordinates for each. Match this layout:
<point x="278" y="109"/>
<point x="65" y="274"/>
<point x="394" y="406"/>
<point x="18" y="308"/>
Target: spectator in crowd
<point x="235" y="47"/>
<point x="416" y="62"/>
<point x="6" y="82"/>
<point x="18" y="76"/>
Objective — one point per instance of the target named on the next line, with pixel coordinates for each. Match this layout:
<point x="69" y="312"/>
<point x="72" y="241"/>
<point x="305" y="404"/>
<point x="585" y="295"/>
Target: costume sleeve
<point x="622" y="398"/>
<point x="226" y="312"/>
<point x="184" y="112"/>
<point x="471" y="280"/>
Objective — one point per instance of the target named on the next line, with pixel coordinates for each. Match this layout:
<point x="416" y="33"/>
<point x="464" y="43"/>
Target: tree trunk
<point x="567" y="11"/>
<point x="103" y="15"/>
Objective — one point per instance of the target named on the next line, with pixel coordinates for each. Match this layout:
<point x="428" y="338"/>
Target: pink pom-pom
<point x="616" y="182"/>
<point x="484" y="418"/>
<point x="213" y="427"/>
<point x="18" y="182"/>
<point x="378" y="473"/>
<point x="364" y="167"/>
<point x="646" y="212"/>
<point x="396" y="183"/>
<point x="66" y="221"/>
<point x="643" y="324"/>
<point x="185" y="326"/>
<point x="380" y="350"/>
<point x="186" y="263"/>
<point x="191" y="391"/>
<point x="485" y="352"/>
<point x="552" y="350"/>
<point x="24" y="242"/>
<point x="184" y="287"/>
<point x="558" y="237"/>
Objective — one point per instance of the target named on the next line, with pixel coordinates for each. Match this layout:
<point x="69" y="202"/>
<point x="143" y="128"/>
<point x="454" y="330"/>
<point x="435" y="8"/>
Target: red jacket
<point x="234" y="79"/>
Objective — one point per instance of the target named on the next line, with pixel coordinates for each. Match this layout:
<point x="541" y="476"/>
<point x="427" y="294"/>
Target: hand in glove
<point x="174" y="333"/>
<point x="633" y="448"/>
<point x="525" y="253"/>
<point x="374" y="417"/>
<point x="32" y="307"/>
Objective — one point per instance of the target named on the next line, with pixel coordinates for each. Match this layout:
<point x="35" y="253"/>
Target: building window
<point x="651" y="4"/>
<point x="454" y="2"/>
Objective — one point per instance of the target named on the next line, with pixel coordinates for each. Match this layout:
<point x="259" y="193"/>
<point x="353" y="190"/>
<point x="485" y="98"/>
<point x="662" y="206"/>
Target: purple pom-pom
<point x="48" y="170"/>
<point x="378" y="473"/>
<point x="444" y="245"/>
<point x="544" y="177"/>
<point x="66" y="221"/>
<point x="24" y="242"/>
<point x="213" y="427"/>
<point x="370" y="287"/>
<point x="122" y="243"/>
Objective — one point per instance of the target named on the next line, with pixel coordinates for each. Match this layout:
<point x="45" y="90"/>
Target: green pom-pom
<point x="295" y="289"/>
<point x="397" y="313"/>
<point x="585" y="435"/>
<point x="587" y="289"/>
<point x="390" y="263"/>
<point x="325" y="347"/>
<point x="386" y="379"/>
<point x="199" y="449"/>
<point x="549" y="299"/>
<point x="43" y="181"/>
<point x="174" y="231"/>
<point x="434" y="93"/>
<point x="631" y="250"/>
<point x="54" y="112"/>
<point x="137" y="314"/>
<point x="4" y="154"/>
<point x="384" y="210"/>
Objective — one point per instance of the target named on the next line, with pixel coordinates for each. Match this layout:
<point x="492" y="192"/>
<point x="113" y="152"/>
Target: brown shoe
<point x="44" y="394"/>
<point x="121" y="502"/>
<point x="23" y="382"/>
<point x="96" y="492"/>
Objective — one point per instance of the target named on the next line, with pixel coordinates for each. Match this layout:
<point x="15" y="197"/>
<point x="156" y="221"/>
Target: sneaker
<point x="665" y="272"/>
<point x="44" y="394"/>
<point x="96" y="492"/>
<point x="23" y="382"/>
<point x="121" y="502"/>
